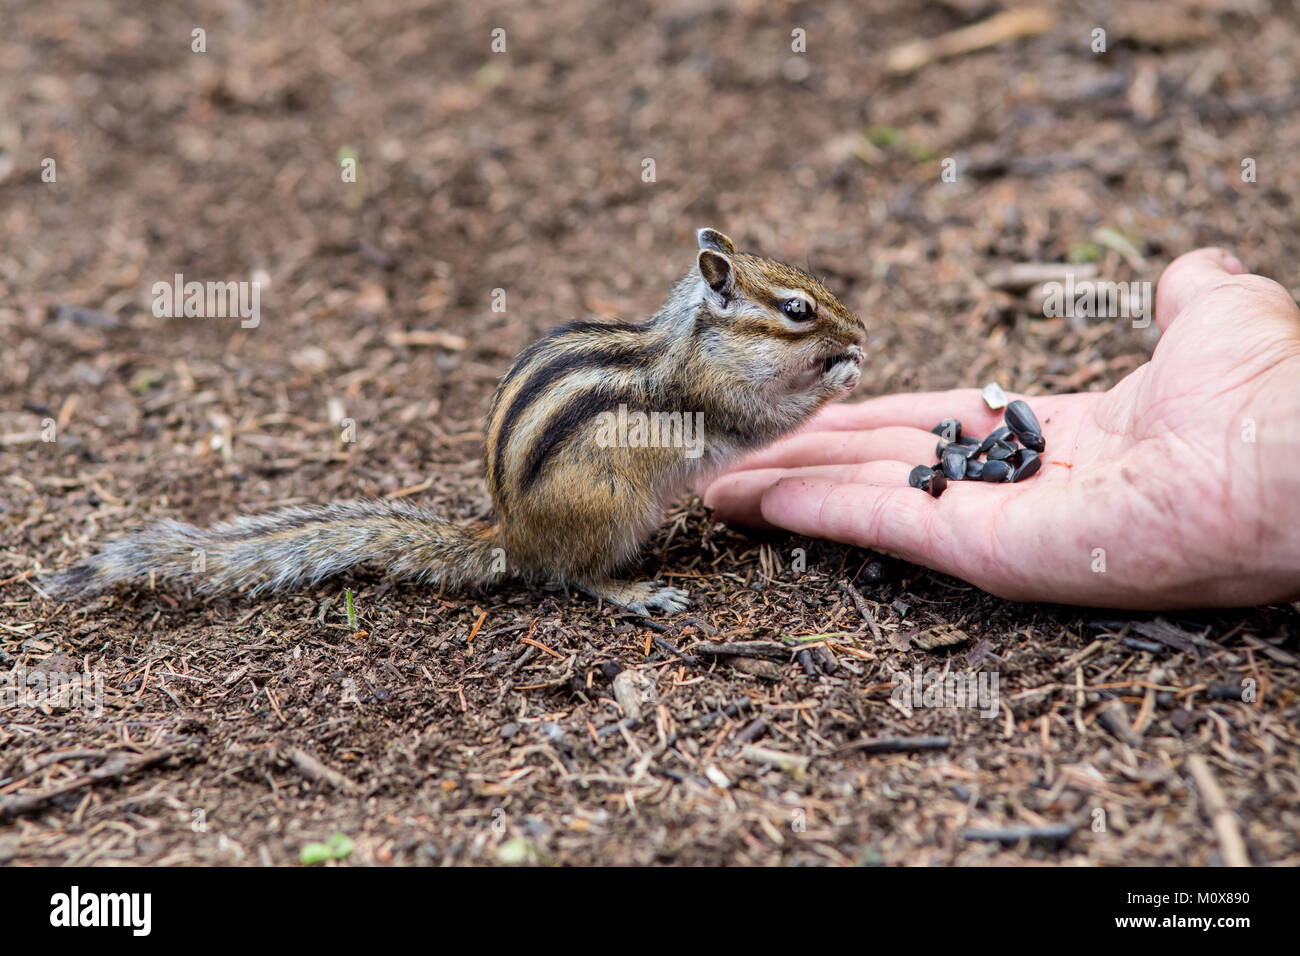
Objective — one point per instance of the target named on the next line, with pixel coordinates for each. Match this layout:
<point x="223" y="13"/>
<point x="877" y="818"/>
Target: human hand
<point x="1179" y="487"/>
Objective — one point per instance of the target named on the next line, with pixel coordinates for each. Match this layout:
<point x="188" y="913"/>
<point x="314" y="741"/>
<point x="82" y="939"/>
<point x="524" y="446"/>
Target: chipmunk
<point x="748" y="347"/>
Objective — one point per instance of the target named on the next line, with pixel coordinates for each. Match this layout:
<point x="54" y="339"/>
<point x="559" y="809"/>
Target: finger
<point x="844" y="447"/>
<point x="736" y="497"/>
<point x="895" y="519"/>
<point x="919" y="410"/>
<point x="809" y="448"/>
<point x="1187" y="277"/>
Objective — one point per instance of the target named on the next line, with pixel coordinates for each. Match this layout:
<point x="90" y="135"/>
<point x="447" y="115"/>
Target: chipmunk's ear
<point x="712" y="239"/>
<point x="715" y="269"/>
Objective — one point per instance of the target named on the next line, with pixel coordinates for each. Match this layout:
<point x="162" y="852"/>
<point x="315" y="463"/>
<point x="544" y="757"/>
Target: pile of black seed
<point x="1010" y="453"/>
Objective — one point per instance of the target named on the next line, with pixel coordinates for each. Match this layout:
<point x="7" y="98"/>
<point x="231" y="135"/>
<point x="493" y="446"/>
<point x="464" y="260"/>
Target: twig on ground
<point x="764" y="650"/>
<point x="894" y="745"/>
<point x="1009" y="25"/>
<point x="1026" y="275"/>
<point x="1220" y="815"/>
<point x="1052" y="833"/>
<point x="860" y="603"/>
<point x="117" y="766"/>
<point x="674" y="650"/>
<point x="314" y="770"/>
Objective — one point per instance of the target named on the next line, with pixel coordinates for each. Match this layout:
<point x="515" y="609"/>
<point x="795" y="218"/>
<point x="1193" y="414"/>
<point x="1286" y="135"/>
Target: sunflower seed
<point x="930" y="480"/>
<point x="954" y="463"/>
<point x="1029" y="463"/>
<point x="949" y="428"/>
<point x="1024" y="425"/>
<point x="995" y="471"/>
<point x="1000" y="434"/>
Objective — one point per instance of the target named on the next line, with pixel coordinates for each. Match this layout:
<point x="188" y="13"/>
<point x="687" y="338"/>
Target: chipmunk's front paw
<point x="641" y="597"/>
<point x="842" y="372"/>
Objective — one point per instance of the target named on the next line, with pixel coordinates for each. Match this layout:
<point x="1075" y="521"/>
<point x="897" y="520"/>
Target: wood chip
<point x="632" y="688"/>
<point x="1114" y="717"/>
<point x="765" y="670"/>
<point x="936" y="637"/>
<point x="1164" y="632"/>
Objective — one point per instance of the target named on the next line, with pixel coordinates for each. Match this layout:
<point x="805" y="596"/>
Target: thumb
<point x="1189" y="275"/>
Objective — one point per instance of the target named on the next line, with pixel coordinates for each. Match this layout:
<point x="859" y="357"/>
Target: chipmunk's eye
<point x="800" y="310"/>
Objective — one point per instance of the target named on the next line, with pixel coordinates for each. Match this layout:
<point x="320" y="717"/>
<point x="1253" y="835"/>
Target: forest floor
<point x="483" y="727"/>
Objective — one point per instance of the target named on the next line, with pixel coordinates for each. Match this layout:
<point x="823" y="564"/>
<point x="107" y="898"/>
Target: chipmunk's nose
<point x="860" y="328"/>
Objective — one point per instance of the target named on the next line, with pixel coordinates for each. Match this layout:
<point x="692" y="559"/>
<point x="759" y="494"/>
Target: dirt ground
<point x="483" y="727"/>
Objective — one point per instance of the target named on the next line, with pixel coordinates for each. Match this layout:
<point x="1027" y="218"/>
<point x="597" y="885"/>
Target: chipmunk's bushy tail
<point x="295" y="546"/>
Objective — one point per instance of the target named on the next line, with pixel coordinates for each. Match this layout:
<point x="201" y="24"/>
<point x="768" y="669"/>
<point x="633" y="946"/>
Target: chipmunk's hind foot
<point x="641" y="596"/>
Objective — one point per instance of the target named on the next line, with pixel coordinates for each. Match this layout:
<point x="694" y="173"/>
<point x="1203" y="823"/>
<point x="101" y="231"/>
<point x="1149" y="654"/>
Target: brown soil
<point x="456" y="739"/>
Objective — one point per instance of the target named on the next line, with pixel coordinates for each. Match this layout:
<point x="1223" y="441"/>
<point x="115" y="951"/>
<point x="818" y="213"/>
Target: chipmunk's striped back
<point x="558" y="384"/>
